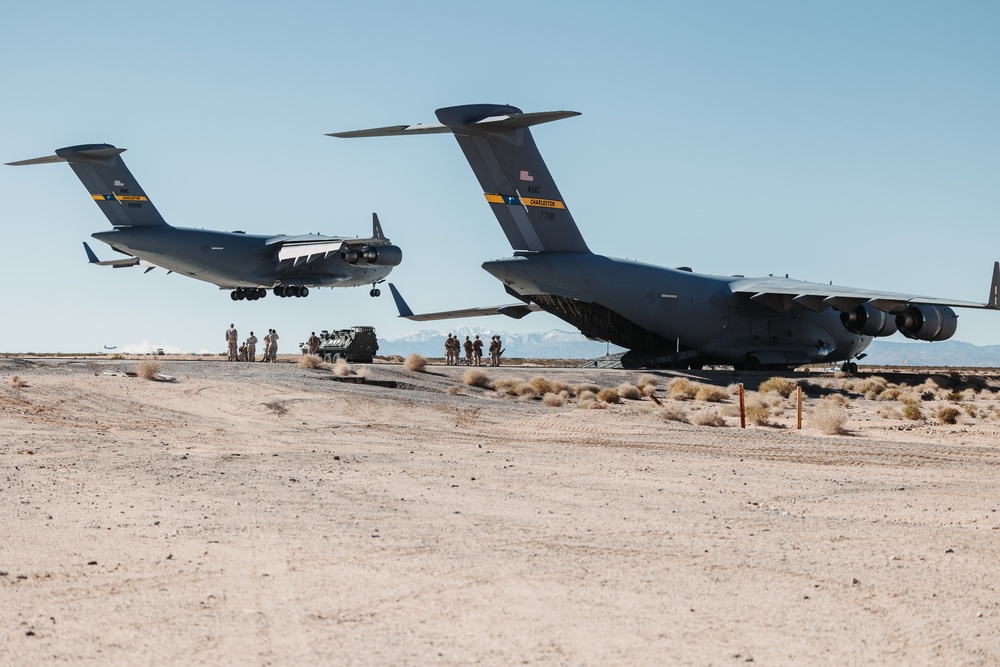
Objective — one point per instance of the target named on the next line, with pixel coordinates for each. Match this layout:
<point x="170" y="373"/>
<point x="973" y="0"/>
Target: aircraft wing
<point x="782" y="294"/>
<point x="515" y="310"/>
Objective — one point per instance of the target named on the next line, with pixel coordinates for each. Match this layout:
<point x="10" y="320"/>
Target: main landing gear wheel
<point x="291" y="290"/>
<point x="248" y="293"/>
<point x="375" y="292"/>
<point x="849" y="367"/>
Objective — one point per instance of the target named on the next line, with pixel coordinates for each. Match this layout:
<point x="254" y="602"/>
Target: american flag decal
<point x="526" y="176"/>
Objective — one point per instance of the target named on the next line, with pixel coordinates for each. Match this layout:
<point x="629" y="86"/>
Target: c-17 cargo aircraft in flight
<point x="247" y="264"/>
<point x="665" y="317"/>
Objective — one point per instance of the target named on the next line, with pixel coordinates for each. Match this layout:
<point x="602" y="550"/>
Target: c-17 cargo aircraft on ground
<point x="247" y="264"/>
<point x="665" y="317"/>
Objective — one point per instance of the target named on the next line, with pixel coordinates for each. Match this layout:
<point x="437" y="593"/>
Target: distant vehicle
<point x="110" y="347"/>
<point x="158" y="352"/>
<point x="665" y="317"/>
<point x="356" y="345"/>
<point x="247" y="264"/>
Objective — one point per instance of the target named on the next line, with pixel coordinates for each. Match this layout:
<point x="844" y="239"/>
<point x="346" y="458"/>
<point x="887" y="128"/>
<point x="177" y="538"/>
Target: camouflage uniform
<point x="313" y="343"/>
<point x="231" y="337"/>
<point x="451" y="350"/>
<point x="243" y="352"/>
<point x="274" y="345"/>
<point x="252" y="347"/>
<point x="494" y="348"/>
<point x="267" y="346"/>
<point x="468" y="351"/>
<point x="477" y="351"/>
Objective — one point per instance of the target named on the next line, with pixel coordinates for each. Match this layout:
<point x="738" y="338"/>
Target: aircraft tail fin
<point x="377" y="232"/>
<point x="517" y="184"/>
<point x="103" y="172"/>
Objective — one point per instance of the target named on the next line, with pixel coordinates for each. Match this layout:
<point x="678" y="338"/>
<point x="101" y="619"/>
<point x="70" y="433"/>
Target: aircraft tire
<point x="234" y="296"/>
<point x="303" y="291"/>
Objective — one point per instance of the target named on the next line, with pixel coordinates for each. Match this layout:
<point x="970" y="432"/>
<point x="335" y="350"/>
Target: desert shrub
<point x="586" y="386"/>
<point x="560" y="387"/>
<point x="872" y="384"/>
<point x="733" y="389"/>
<point x="310" y="361"/>
<point x="912" y="411"/>
<point x="732" y="410"/>
<point x="775" y="401"/>
<point x="609" y="395"/>
<point x="708" y="418"/>
<point x="17" y="382"/>
<point x="540" y="385"/>
<point x="117" y="356"/>
<point x="147" y="369"/>
<point x="953" y="396"/>
<point x="453" y="390"/>
<point x="782" y="386"/>
<point x="829" y="417"/>
<point x="909" y="398"/>
<point x="756" y="410"/>
<point x="987" y="395"/>
<point x="889" y="394"/>
<point x="646" y="380"/>
<point x="948" y="414"/>
<point x="839" y="399"/>
<point x="674" y="413"/>
<point x="590" y="402"/>
<point x="587" y="395"/>
<point x="629" y="391"/>
<point x="969" y="395"/>
<point x="889" y="413"/>
<point x="525" y="391"/>
<point x="682" y="389"/>
<point x="475" y="377"/>
<point x="553" y="400"/>
<point x="972" y="411"/>
<point x="342" y="368"/>
<point x="710" y="394"/>
<point x="415" y="363"/>
<point x="506" y="385"/>
<point x="647" y="389"/>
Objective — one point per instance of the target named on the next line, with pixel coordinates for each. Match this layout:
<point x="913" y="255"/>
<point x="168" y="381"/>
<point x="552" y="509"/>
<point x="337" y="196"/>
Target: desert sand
<point x="266" y="514"/>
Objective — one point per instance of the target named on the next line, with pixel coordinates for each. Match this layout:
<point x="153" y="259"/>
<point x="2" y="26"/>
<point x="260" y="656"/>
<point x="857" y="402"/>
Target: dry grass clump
<point x="682" y="389"/>
<point x="147" y="369"/>
<point x="590" y="402"/>
<point x="629" y="391"/>
<point x="948" y="414"/>
<point x="889" y="413"/>
<point x="553" y="400"/>
<point x="562" y="388"/>
<point x="587" y="395"/>
<point x="953" y="396"/>
<point x="756" y="410"/>
<point x="875" y="383"/>
<point x="674" y="413"/>
<point x="708" y="418"/>
<point x="311" y="361"/>
<point x="585" y="387"/>
<point x="17" y="382"/>
<point x="710" y="394"/>
<point x="889" y="394"/>
<point x="912" y="411"/>
<point x="780" y="385"/>
<point x="969" y="395"/>
<point x="909" y="398"/>
<point x="342" y="368"/>
<point x="609" y="395"/>
<point x="415" y="363"/>
<point x="453" y="390"/>
<point x="972" y="411"/>
<point x="647" y="382"/>
<point x="733" y="389"/>
<point x="829" y="417"/>
<point x="540" y="385"/>
<point x="525" y="391"/>
<point x="839" y="399"/>
<point x="475" y="377"/>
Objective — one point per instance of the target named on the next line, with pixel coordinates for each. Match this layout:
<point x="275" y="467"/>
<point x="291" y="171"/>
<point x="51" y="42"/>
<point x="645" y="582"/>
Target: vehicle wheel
<point x="376" y="292"/>
<point x="234" y="296"/>
<point x="263" y="293"/>
<point x="279" y="290"/>
<point x="852" y="368"/>
<point x="303" y="291"/>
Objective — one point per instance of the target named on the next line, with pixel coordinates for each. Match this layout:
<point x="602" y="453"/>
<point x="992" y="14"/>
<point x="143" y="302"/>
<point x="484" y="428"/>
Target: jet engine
<point x="926" y="322"/>
<point x="382" y="255"/>
<point x="869" y="321"/>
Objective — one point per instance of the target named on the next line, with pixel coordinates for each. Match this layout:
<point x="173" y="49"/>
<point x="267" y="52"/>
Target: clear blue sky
<point x="856" y="142"/>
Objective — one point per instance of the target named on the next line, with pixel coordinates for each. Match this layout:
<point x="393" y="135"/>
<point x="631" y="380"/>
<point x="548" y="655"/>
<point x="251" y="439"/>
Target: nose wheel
<point x="375" y="292"/>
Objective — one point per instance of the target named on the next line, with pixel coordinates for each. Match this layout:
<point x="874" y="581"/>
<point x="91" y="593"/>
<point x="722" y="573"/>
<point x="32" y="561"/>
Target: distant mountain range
<point x="558" y="344"/>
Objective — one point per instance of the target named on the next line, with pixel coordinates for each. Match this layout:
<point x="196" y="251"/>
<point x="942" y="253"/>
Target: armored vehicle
<point x="356" y="345"/>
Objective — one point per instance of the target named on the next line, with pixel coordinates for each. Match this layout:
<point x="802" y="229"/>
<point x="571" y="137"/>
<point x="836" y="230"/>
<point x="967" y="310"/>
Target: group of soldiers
<point x="473" y="351"/>
<point x="247" y="351"/>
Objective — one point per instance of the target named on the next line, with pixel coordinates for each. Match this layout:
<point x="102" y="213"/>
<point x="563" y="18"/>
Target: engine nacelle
<point x="925" y="322"/>
<point x="382" y="255"/>
<point x="350" y="255"/>
<point x="869" y="321"/>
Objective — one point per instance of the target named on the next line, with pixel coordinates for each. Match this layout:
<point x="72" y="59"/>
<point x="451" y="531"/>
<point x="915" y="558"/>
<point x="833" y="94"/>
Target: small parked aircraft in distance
<point x="247" y="264"/>
<point x="665" y="317"/>
<point x="110" y="347"/>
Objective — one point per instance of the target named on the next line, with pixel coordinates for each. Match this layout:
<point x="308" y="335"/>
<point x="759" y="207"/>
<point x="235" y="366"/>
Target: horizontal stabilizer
<point x="508" y="121"/>
<point x="514" y="310"/>
<point x="116" y="263"/>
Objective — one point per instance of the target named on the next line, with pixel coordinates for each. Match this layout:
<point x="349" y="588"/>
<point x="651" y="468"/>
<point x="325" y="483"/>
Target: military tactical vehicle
<point x="356" y="345"/>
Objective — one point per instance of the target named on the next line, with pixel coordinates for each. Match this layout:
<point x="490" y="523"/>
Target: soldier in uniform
<point x="468" y="351"/>
<point x="267" y="346"/>
<point x="477" y="351"/>
<point x="252" y="347"/>
<point x="499" y="348"/>
<point x="243" y="352"/>
<point x="448" y="352"/>
<point x="274" y="345"/>
<point x="231" y="337"/>
<point x="313" y="343"/>
<point x="493" y="350"/>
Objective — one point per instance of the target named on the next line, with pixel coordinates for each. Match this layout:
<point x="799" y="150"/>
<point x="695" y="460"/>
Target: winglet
<point x="404" y="310"/>
<point x="993" y="301"/>
<point x="377" y="232"/>
<point x="91" y="257"/>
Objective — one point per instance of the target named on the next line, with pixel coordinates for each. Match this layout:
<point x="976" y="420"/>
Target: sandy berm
<point x="254" y="514"/>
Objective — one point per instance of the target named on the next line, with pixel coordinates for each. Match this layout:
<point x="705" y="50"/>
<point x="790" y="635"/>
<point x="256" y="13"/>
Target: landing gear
<point x="291" y="290"/>
<point x="375" y="292"/>
<point x="248" y="293"/>
<point x="849" y="367"/>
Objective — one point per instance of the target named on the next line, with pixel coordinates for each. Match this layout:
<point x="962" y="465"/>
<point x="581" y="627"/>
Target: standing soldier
<point x="313" y="343"/>
<point x="274" y="345"/>
<point x="267" y="346"/>
<point x="231" y="337"/>
<point x="252" y="347"/>
<point x="477" y="351"/>
<point x="448" y="351"/>
<point x="468" y="351"/>
<point x="493" y="351"/>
